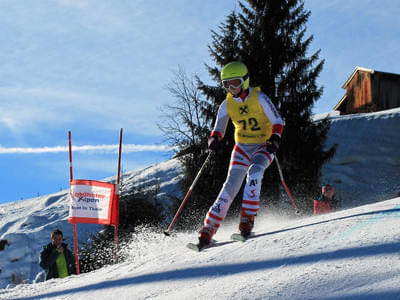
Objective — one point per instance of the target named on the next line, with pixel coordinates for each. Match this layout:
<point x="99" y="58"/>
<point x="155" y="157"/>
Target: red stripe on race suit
<point x="236" y="148"/>
<point x="277" y="128"/>
<point x="251" y="202"/>
<point x="217" y="134"/>
<point x="239" y="163"/>
<point x="250" y="209"/>
<point x="212" y="224"/>
<point x="251" y="213"/>
<point x="211" y="215"/>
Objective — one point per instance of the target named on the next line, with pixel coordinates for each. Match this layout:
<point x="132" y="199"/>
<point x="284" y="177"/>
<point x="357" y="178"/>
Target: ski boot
<point x="246" y="225"/>
<point x="205" y="236"/>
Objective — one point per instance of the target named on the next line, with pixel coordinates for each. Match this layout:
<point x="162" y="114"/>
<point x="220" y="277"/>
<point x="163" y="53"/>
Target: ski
<point x="195" y="247"/>
<point x="234" y="238"/>
<point x="238" y="237"/>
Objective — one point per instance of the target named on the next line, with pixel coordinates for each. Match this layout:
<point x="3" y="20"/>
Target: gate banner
<point x="91" y="201"/>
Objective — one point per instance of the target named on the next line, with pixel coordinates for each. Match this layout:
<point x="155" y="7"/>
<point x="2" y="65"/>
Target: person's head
<point x="57" y="237"/>
<point x="328" y="190"/>
<point x="235" y="77"/>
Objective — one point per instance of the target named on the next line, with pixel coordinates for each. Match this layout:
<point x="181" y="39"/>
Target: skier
<point x="258" y="130"/>
<point x="326" y="202"/>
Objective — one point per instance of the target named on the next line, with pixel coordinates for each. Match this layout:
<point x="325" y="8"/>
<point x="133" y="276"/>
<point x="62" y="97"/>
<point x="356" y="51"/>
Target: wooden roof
<point x="344" y="86"/>
<point x="354" y="73"/>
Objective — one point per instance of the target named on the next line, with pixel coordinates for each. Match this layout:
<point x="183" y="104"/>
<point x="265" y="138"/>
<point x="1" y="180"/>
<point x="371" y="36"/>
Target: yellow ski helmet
<point x="236" y="69"/>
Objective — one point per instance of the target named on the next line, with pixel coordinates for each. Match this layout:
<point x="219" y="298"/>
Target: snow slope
<point x="366" y="167"/>
<point x="351" y="254"/>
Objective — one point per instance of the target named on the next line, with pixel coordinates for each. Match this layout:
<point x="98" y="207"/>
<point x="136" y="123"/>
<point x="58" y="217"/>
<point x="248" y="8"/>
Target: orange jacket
<point x="324" y="205"/>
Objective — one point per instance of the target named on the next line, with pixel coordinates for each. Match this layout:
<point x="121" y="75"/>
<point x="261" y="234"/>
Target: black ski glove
<point x="273" y="143"/>
<point x="214" y="144"/>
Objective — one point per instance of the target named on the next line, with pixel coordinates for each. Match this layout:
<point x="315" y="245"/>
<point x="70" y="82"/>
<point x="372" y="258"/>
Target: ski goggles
<point x="233" y="83"/>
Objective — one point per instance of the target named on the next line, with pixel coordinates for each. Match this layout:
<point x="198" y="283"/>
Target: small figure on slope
<point x="327" y="202"/>
<point x="258" y="130"/>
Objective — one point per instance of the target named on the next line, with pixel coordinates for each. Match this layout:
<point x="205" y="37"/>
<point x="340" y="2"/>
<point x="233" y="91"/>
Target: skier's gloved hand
<point x="213" y="143"/>
<point x="273" y="143"/>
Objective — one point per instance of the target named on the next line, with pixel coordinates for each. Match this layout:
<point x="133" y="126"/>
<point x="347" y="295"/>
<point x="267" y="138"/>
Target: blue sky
<point x="94" y="67"/>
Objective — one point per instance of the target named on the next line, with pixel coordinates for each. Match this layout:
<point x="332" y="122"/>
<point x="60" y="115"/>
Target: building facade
<point x="368" y="90"/>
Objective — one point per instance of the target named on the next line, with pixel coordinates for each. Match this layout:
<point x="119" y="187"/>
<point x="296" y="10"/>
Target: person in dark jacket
<point x="56" y="259"/>
<point x="327" y="202"/>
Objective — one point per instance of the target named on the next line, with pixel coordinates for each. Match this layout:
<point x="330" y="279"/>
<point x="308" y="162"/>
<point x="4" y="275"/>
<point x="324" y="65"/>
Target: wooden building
<point x="368" y="90"/>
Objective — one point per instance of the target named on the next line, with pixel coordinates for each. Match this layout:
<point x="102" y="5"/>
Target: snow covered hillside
<point x="351" y="254"/>
<point x="366" y="167"/>
<point x="26" y="225"/>
<point x="335" y="255"/>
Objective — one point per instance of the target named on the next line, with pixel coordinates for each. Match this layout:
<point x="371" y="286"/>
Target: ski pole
<point x="297" y="211"/>
<point x="167" y="232"/>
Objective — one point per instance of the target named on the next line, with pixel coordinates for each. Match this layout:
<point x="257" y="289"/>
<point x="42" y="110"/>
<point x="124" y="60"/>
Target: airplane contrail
<point x="89" y="148"/>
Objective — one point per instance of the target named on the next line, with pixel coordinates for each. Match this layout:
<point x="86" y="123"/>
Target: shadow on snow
<point x="237" y="268"/>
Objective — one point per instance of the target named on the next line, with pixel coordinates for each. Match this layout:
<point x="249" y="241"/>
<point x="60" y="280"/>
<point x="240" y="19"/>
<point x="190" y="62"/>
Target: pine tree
<point x="269" y="37"/>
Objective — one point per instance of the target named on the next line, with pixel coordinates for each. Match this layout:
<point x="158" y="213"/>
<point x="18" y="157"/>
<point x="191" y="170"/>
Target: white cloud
<point x="36" y="109"/>
<point x="85" y="148"/>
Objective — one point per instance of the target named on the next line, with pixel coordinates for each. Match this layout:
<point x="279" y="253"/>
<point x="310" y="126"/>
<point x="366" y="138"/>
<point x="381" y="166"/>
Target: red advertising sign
<point x="92" y="202"/>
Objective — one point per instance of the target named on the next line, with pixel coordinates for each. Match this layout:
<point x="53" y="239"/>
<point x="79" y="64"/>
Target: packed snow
<point x="349" y="254"/>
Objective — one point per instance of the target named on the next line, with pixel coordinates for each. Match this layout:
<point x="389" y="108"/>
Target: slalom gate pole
<point x="71" y="177"/>
<point x="297" y="211"/>
<point x="70" y="156"/>
<point x="168" y="231"/>
<point x="117" y="192"/>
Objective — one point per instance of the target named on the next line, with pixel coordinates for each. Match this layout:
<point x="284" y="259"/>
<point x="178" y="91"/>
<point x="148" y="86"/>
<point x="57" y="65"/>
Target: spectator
<point x="56" y="259"/>
<point x="326" y="203"/>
